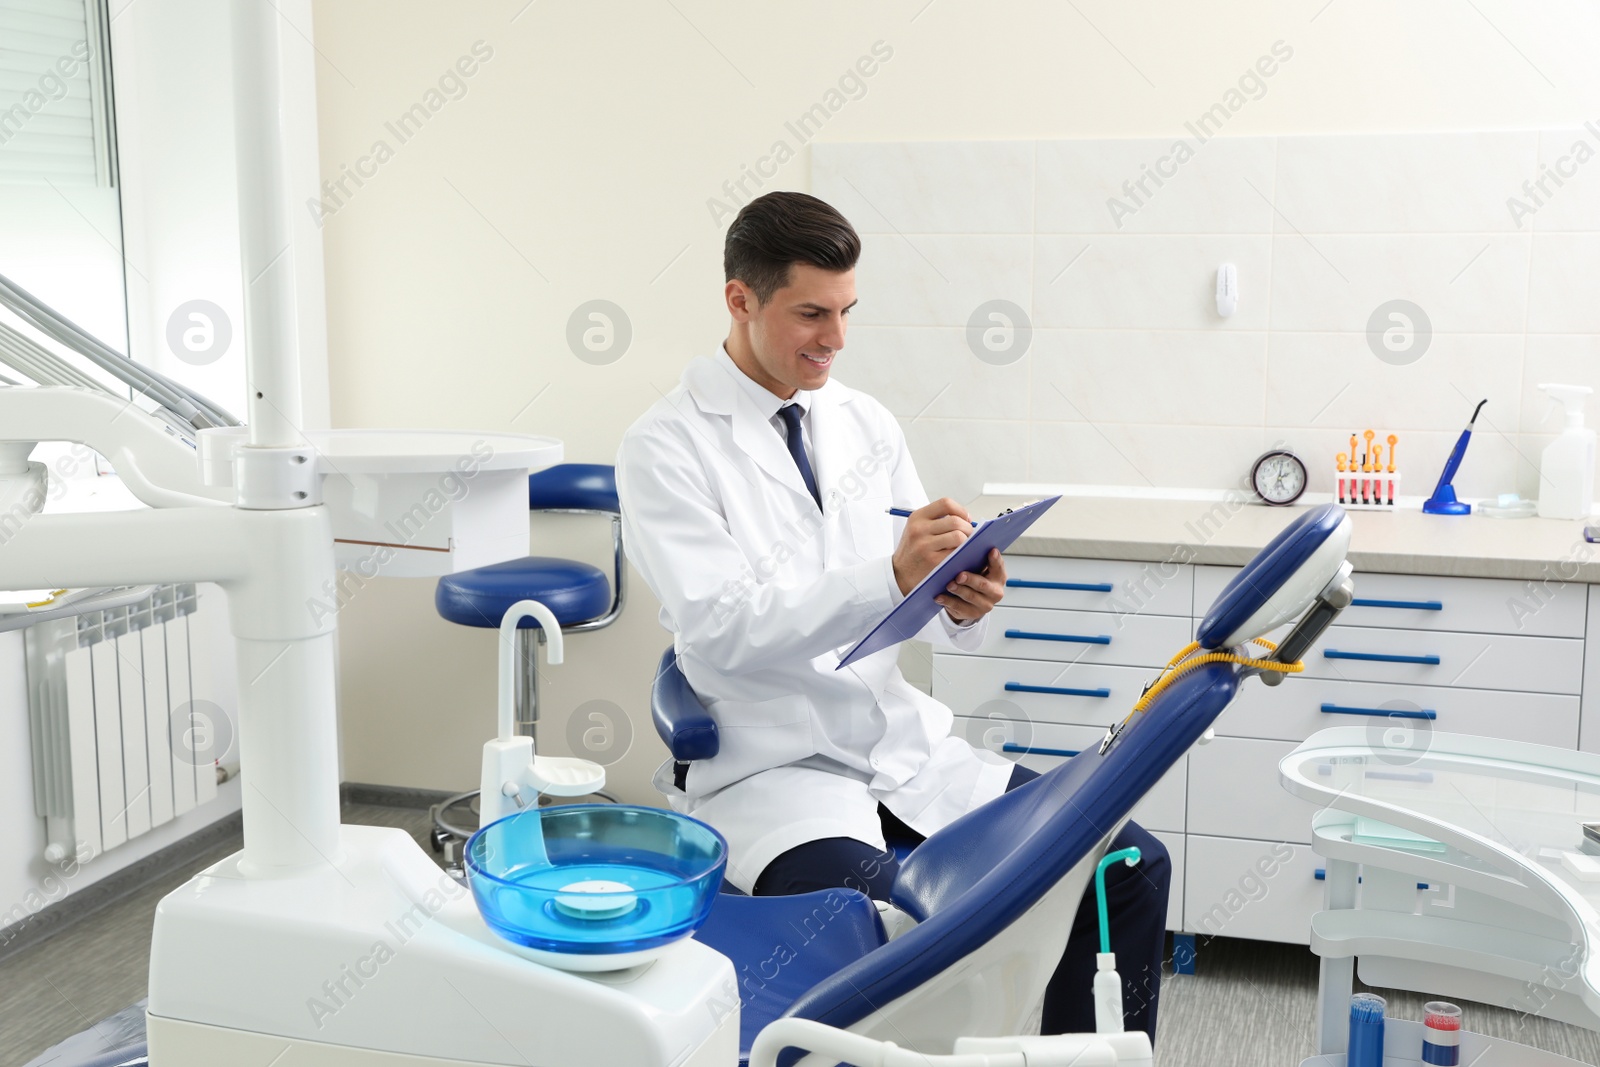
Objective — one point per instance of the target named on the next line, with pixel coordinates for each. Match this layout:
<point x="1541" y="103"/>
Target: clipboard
<point x="912" y="614"/>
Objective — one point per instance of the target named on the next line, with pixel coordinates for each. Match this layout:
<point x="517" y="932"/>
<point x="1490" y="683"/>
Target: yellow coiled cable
<point x="1178" y="666"/>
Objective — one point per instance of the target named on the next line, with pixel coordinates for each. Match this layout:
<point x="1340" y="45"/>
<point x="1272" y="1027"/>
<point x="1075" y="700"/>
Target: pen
<point x="902" y="513"/>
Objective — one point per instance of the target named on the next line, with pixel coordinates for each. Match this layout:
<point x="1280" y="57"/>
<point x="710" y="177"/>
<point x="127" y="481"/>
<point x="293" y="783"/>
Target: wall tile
<point x="1401" y="182"/>
<point x="1465" y="283"/>
<point x="1132" y="378"/>
<point x="1209" y="192"/>
<point x="941" y="187"/>
<point x="1177" y="377"/>
<point x="956" y="456"/>
<point x="929" y="371"/>
<point x="1120" y="281"/>
<point x="1565" y="277"/>
<point x="938" y="281"/>
<point x="1334" y="381"/>
<point x="1569" y="198"/>
<point x="1206" y="457"/>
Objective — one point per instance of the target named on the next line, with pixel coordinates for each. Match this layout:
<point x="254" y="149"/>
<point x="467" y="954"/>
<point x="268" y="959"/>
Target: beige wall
<point x="579" y="162"/>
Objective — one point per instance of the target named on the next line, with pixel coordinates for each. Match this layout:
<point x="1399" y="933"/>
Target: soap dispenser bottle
<point x="1566" y="470"/>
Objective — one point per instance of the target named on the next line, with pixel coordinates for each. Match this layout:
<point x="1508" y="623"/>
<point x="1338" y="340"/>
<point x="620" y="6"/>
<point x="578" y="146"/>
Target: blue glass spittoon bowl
<point x="595" y="887"/>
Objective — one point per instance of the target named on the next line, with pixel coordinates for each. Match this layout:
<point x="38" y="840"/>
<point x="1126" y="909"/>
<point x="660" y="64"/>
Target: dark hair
<point x="778" y="229"/>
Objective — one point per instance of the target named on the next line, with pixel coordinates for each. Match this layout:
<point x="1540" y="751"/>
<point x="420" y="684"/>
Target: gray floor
<point x="1250" y="1005"/>
<point x="1254" y="1003"/>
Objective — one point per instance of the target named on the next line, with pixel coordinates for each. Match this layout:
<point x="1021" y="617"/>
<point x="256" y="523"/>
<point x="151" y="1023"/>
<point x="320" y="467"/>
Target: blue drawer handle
<point x="1377" y="657"/>
<point x="1018" y="687"/>
<point x="1082" y="639"/>
<point x="1076" y="587"/>
<point x="1011" y="746"/>
<point x="1335" y="709"/>
<point x="1322" y="876"/>
<point x="1413" y="605"/>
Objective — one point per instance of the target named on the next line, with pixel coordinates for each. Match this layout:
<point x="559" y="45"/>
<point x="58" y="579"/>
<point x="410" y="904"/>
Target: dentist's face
<point x="796" y="334"/>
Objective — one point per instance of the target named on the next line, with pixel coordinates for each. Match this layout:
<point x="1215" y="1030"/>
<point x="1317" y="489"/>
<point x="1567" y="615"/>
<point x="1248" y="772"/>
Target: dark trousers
<point x="1136" y="903"/>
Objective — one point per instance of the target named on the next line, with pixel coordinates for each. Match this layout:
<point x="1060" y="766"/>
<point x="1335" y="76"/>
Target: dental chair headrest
<point x="1281" y="581"/>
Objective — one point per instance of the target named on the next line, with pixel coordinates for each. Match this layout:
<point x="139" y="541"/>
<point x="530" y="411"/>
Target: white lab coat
<point x="762" y="594"/>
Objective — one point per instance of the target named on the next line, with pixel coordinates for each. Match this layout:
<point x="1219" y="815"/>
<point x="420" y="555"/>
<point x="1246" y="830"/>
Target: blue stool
<point x="582" y="597"/>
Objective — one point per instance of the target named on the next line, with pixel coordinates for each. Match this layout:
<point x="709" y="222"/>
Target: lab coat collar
<point x="710" y="381"/>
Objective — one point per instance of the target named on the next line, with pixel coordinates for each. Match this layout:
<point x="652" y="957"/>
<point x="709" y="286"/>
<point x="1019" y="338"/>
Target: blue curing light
<point x="1443" y="501"/>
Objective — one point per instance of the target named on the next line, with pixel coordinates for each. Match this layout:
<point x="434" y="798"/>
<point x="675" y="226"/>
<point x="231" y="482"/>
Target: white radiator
<point x="121" y="742"/>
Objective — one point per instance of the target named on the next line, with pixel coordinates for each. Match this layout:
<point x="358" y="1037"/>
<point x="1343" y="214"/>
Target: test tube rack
<point x="1376" y="488"/>
<point x="1384" y="483"/>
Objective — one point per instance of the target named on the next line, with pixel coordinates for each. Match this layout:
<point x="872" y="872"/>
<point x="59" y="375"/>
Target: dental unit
<point x="626" y="954"/>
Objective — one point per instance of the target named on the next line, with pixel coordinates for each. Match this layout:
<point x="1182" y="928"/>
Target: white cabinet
<point x="1083" y="636"/>
<point x="1087" y="694"/>
<point x="1465" y="660"/>
<point x="1076" y="641"/>
<point x="1233" y="792"/>
<point x="1301" y="706"/>
<point x="1264" y="890"/>
<point x="1430" y="602"/>
<point x="1113" y="586"/>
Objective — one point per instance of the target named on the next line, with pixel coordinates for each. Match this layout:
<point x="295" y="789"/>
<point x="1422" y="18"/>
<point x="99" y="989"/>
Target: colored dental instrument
<point x="1443" y="501"/>
<point x="1369" y="463"/>
<point x="1441" y="1033"/>
<point x="1365" y="1048"/>
<point x="1339" y="460"/>
<point x="1393" y="440"/>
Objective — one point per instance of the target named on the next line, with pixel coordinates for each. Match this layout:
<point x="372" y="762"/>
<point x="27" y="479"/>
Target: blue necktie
<point x="797" y="448"/>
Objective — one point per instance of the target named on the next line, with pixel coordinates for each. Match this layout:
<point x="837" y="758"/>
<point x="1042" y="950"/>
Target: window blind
<point x="55" y="105"/>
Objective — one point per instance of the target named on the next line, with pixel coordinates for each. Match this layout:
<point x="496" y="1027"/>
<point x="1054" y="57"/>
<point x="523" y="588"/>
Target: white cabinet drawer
<point x="1265" y="890"/>
<point x="1041" y="746"/>
<point x="1175" y="849"/>
<point x="1471" y="661"/>
<point x="1116" y="586"/>
<point x="1084" y="636"/>
<point x="1302" y="706"/>
<point x="1234" y="792"/>
<point x="1085" y="694"/>
<point x="1429" y="602"/>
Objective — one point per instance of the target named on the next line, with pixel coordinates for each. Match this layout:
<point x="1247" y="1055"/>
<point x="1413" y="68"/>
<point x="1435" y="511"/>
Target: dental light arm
<point x="158" y="468"/>
<point x="191" y="410"/>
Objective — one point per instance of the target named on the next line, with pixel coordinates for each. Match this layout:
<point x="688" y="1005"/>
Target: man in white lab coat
<point x="755" y="498"/>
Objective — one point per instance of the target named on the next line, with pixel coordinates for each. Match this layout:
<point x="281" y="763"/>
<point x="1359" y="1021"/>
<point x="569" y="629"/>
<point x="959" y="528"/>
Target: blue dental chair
<point x="582" y="597"/>
<point x="994" y="894"/>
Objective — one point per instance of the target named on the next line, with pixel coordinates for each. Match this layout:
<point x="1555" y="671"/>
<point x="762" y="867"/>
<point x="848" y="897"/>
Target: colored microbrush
<point x="1441" y="1033"/>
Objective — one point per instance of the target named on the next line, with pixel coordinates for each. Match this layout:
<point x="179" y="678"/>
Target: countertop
<point x="1231" y="532"/>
